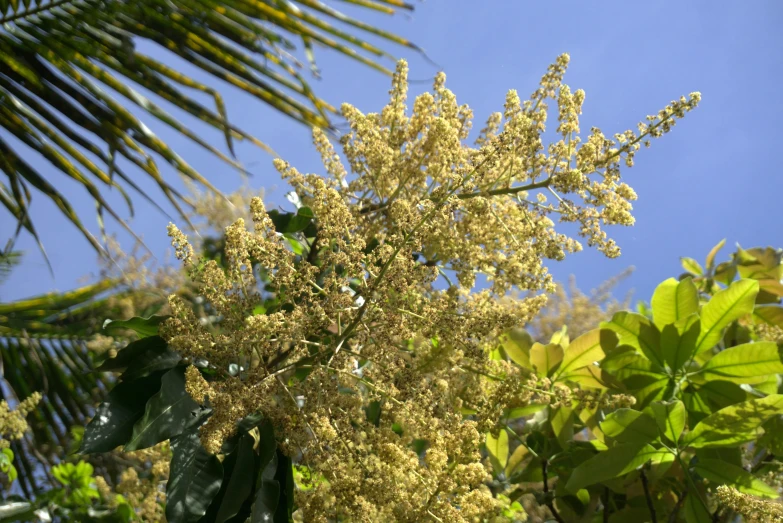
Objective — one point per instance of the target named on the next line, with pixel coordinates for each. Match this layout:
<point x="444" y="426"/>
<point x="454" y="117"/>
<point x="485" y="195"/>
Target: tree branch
<point x="549" y="503"/>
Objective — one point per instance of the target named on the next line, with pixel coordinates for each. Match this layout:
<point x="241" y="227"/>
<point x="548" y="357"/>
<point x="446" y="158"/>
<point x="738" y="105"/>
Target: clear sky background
<point x="717" y="175"/>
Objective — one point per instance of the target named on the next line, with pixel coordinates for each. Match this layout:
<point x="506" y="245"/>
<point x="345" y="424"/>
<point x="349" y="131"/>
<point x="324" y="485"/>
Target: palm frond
<point x="44" y="348"/>
<point x="70" y="71"/>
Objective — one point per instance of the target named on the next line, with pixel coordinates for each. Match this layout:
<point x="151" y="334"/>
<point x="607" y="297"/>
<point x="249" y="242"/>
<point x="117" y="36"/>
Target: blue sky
<point x="715" y="176"/>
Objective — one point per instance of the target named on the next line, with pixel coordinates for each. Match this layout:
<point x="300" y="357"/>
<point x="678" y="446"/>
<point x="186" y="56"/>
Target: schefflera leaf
<point x="734" y="425"/>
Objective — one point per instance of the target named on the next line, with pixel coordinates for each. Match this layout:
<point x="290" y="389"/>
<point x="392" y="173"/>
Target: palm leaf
<point x="43" y="347"/>
<point x="70" y="72"/>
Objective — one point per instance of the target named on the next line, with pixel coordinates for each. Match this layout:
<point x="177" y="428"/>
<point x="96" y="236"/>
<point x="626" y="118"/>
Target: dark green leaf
<point x="194" y="479"/>
<point x="155" y="345"/>
<point x="609" y="464"/>
<point x="144" y="327"/>
<point x="240" y="485"/>
<point x="113" y="422"/>
<point x="167" y="413"/>
<point x="630" y="426"/>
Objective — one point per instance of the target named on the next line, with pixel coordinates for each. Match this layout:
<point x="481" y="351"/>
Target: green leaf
<point x="516" y="459"/>
<point x="769" y="314"/>
<point x="113" y="422"/>
<point x="133" y="352"/>
<point x="517" y="343"/>
<point x="726" y="306"/>
<point x="585" y="350"/>
<point x="695" y="511"/>
<point x="690" y="265"/>
<point x="151" y="361"/>
<point x="194" y="479"/>
<point x="498" y="450"/>
<point x="562" y="421"/>
<point x="678" y="341"/>
<point x="670" y="417"/>
<point x="674" y="300"/>
<point x="241" y="482"/>
<point x="630" y="426"/>
<point x="268" y="495"/>
<point x="722" y="473"/>
<point x="610" y="464"/>
<point x="144" y="327"/>
<point x="634" y="330"/>
<point x="713" y="252"/>
<point x="749" y="363"/>
<point x="735" y="424"/>
<point x="545" y="358"/>
<point x="167" y="413"/>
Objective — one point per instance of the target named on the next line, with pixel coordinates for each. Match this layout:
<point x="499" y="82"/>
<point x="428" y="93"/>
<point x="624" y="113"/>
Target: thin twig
<point x="648" y="497"/>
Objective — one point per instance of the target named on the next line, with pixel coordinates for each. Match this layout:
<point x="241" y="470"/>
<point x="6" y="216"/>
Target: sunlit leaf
<point x="722" y="473"/>
<point x="725" y="307"/>
<point x="630" y="426"/>
<point x="670" y="417"/>
<point x="734" y="425"/>
<point x="748" y="363"/>
<point x="635" y="330"/>
<point x="674" y="300"/>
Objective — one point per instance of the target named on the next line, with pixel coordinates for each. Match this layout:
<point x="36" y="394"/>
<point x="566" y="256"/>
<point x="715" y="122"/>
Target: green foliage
<point x="64" y="54"/>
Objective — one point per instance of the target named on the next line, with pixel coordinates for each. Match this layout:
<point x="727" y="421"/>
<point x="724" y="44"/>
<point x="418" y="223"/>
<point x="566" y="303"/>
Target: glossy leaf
<point x="630" y="426"/>
<point x="726" y="306"/>
<point x="769" y="314"/>
<point x="167" y="413"/>
<point x="516" y="459"/>
<point x="114" y="419"/>
<point x="635" y="330"/>
<point x="612" y="463"/>
<point x="670" y="417"/>
<point x="143" y="327"/>
<point x="678" y="341"/>
<point x="585" y="350"/>
<point x="240" y="484"/>
<point x="498" y="450"/>
<point x="545" y="358"/>
<point x="133" y="352"/>
<point x="722" y="473"/>
<point x="734" y="425"/>
<point x="714" y="252"/>
<point x="747" y="363"/>
<point x="674" y="300"/>
<point x="517" y="344"/>
<point x="690" y="265"/>
<point x="194" y="479"/>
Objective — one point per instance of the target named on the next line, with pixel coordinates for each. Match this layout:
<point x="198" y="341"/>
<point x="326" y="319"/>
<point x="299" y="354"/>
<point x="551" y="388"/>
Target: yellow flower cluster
<point x="752" y="509"/>
<point x="377" y="338"/>
<point x="13" y="423"/>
